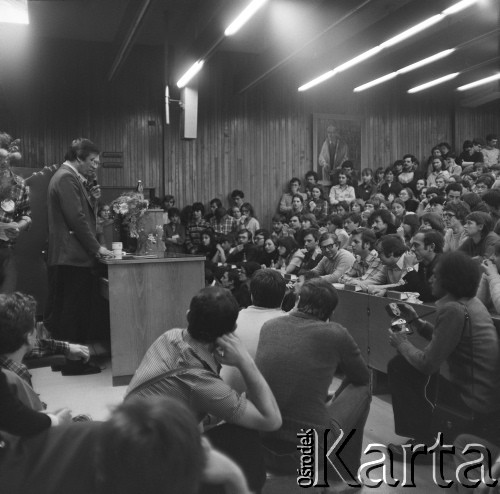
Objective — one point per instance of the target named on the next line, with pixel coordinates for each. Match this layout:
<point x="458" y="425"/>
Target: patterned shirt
<point x="17" y="368"/>
<point x="18" y="192"/>
<point x="193" y="377"/>
<point x="371" y="267"/>
<point x="193" y="233"/>
<point x="225" y="226"/>
<point x="43" y="347"/>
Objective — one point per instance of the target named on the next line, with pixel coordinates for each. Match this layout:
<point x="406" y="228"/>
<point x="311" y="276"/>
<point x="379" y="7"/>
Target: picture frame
<point x="345" y="145"/>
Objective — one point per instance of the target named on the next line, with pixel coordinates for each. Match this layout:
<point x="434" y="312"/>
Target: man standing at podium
<point x="73" y="247"/>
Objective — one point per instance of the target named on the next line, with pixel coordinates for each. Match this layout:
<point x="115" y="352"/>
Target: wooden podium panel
<point x="146" y="298"/>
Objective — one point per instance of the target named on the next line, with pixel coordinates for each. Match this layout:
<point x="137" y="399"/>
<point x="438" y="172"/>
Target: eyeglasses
<point x="328" y="247"/>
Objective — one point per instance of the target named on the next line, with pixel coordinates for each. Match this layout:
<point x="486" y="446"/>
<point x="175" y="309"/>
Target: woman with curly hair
<point x="248" y="220"/>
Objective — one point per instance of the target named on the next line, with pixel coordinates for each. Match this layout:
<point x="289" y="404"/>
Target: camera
<point x="398" y="323"/>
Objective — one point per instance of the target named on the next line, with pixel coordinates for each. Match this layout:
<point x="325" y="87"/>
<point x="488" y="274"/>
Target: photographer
<point x="465" y="338"/>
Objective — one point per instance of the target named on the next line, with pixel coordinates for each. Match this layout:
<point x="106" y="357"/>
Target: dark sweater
<point x="15" y="417"/>
<point x="298" y="356"/>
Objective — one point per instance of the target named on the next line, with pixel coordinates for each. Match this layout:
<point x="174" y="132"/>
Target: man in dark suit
<point x="73" y="246"/>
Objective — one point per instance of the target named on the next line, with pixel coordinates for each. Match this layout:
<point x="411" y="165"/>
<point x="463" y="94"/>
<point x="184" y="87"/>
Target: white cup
<point x="117" y="249"/>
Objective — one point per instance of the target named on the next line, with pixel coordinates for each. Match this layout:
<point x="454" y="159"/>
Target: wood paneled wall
<point x="60" y="92"/>
<point x="255" y="141"/>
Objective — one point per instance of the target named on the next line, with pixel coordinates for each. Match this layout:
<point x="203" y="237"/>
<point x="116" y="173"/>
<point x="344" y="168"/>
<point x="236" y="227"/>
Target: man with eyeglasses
<point x="335" y="262"/>
<point x="454" y="214"/>
<point x="73" y="249"/>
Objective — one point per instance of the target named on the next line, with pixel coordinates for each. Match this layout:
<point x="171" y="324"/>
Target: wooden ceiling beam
<point x="132" y="21"/>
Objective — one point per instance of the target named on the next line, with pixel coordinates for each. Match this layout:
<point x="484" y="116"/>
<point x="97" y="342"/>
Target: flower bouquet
<point x="129" y="208"/>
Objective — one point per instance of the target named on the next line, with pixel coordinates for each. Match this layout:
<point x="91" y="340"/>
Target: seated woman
<point x="270" y="255"/>
<point x="399" y="211"/>
<point x="288" y="261"/>
<point x="248" y="220"/>
<point x="390" y="188"/>
<point x="174" y="232"/>
<point x="104" y="219"/>
<point x="438" y="168"/>
<point x="464" y="337"/>
<point x="481" y="239"/>
<point x="432" y="221"/>
<point x="317" y="204"/>
<point x="408" y="197"/>
<point x="208" y="246"/>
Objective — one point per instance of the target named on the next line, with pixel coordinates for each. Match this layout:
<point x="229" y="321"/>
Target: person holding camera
<point x="464" y="337"/>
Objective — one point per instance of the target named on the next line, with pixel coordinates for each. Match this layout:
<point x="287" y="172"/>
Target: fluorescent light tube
<point x="358" y="59"/>
<point x="413" y="30"/>
<point x="391" y="42"/>
<point x="458" y="7"/>
<point x="479" y="82"/>
<point x="435" y="82"/>
<point x="318" y="80"/>
<point x="245" y="15"/>
<point x="426" y="61"/>
<point x="190" y="73"/>
<point x="375" y="82"/>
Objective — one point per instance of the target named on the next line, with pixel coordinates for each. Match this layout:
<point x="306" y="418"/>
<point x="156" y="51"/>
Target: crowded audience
<point x="265" y="321"/>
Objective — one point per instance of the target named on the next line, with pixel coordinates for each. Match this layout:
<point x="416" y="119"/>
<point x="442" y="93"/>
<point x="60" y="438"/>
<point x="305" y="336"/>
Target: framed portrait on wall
<point x="336" y="138"/>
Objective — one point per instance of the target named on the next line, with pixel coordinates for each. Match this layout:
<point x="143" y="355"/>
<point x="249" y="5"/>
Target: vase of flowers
<point x="130" y="209"/>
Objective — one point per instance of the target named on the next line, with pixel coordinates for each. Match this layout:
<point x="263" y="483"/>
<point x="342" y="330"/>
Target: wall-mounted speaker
<point x="189" y="114"/>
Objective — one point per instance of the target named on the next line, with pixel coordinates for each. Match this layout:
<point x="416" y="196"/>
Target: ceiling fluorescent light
<point x="404" y="70"/>
<point x="393" y="41"/>
<point x="318" y="80"/>
<point x="426" y="61"/>
<point x="413" y="30"/>
<point x="358" y="59"/>
<point x="458" y="7"/>
<point x="247" y="13"/>
<point x="375" y="82"/>
<point x="14" y="11"/>
<point x="479" y="82"/>
<point x="435" y="82"/>
<point x="191" y="72"/>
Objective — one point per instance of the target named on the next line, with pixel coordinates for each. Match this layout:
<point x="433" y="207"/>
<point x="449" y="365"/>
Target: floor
<point x="96" y="396"/>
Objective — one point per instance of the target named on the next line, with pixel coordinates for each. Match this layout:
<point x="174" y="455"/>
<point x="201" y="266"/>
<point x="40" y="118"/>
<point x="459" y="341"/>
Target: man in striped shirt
<point x="185" y="364"/>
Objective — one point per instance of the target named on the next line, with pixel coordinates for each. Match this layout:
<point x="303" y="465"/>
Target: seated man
<point x="245" y="250"/>
<point x="280" y="228"/>
<point x="397" y="263"/>
<point x="221" y="222"/>
<point x="17" y="335"/>
<point x="310" y="256"/>
<point x="143" y="447"/>
<point x="427" y="247"/>
<point x="454" y="214"/>
<point x="299" y="354"/>
<point x="20" y="420"/>
<point x="367" y="263"/>
<point x="185" y="363"/>
<point x="335" y="262"/>
<point x="465" y="339"/>
<point x="382" y="223"/>
<point x="267" y="289"/>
